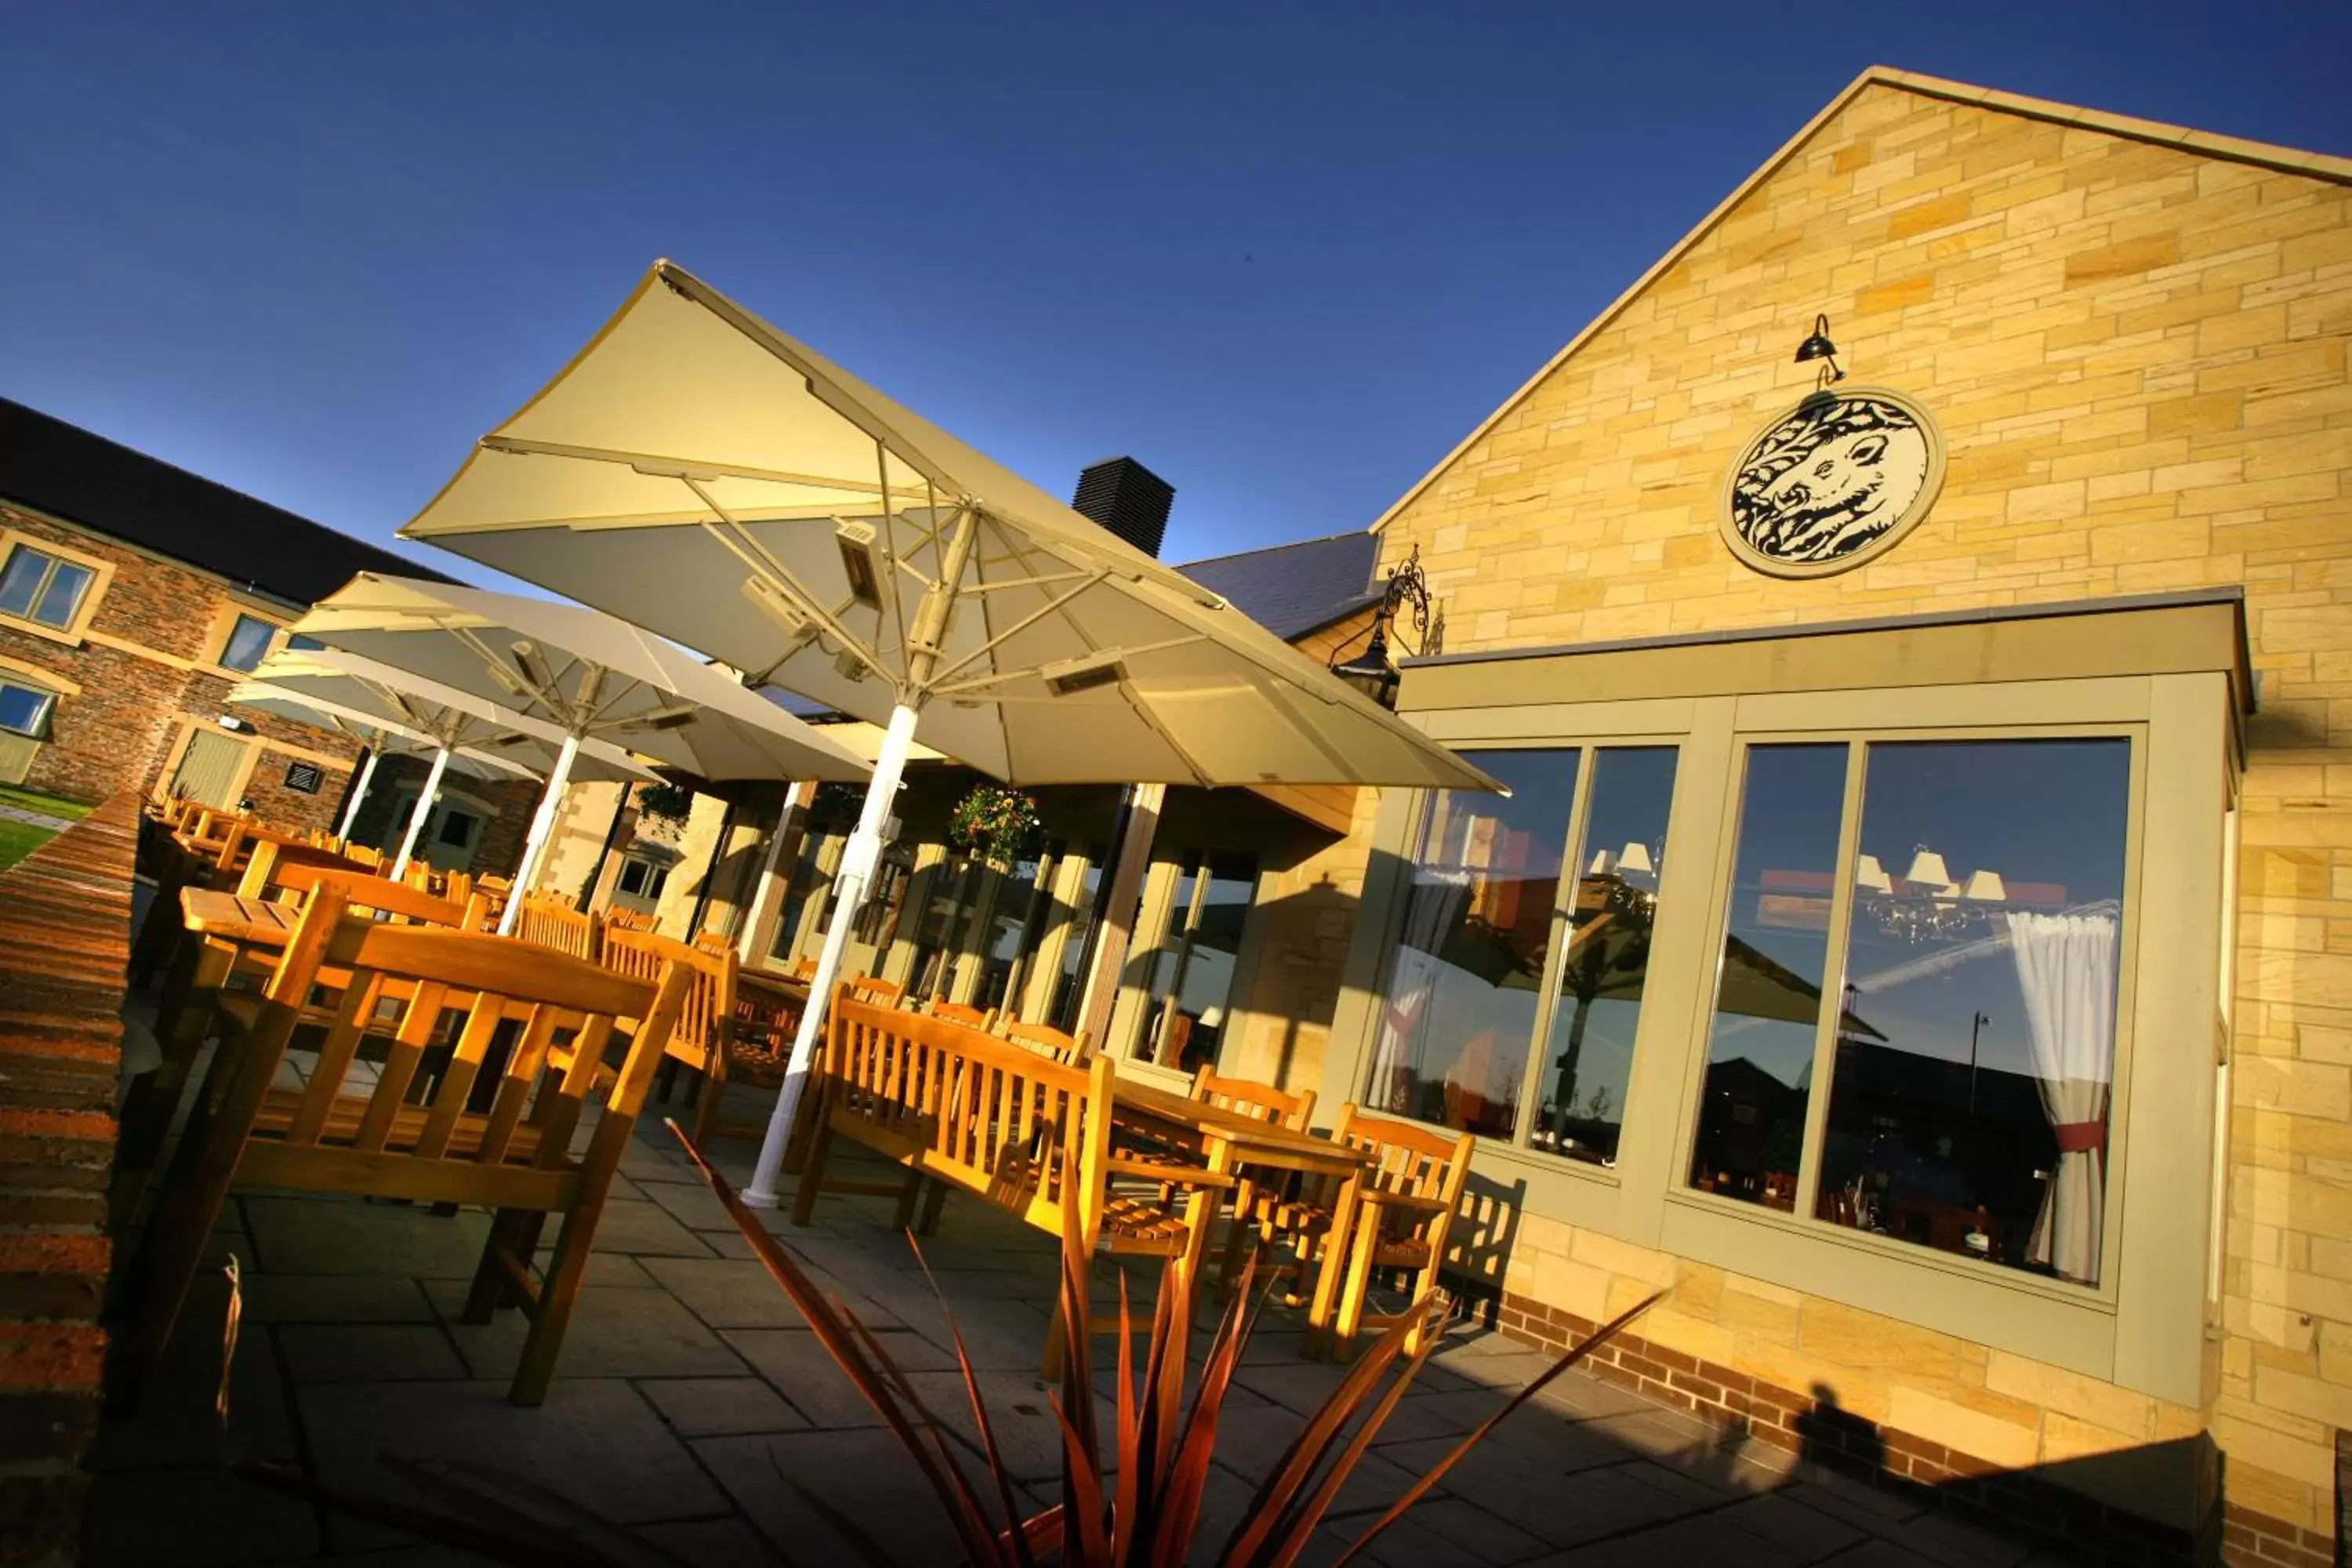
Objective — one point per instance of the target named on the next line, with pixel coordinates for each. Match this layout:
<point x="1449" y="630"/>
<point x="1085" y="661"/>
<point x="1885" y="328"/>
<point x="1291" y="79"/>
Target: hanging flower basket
<point x="996" y="825"/>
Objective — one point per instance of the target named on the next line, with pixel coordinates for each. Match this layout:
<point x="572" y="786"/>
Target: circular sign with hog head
<point x="1832" y="483"/>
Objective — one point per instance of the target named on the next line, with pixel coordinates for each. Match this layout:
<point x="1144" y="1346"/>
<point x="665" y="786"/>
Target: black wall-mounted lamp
<point x="1371" y="671"/>
<point x="1819" y="347"/>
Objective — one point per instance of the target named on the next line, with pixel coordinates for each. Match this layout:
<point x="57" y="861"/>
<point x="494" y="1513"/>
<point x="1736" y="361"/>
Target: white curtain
<point x="1430" y="913"/>
<point x="2066" y="968"/>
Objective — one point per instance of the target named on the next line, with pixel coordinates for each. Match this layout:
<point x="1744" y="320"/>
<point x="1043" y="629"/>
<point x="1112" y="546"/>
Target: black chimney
<point x="1128" y="499"/>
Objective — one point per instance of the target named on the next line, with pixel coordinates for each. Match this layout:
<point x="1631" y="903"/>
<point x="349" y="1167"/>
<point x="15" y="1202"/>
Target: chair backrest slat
<point x="549" y="921"/>
<point x="1063" y="1047"/>
<point x="485" y="979"/>
<point x="700" y="1036"/>
<point x="1250" y="1098"/>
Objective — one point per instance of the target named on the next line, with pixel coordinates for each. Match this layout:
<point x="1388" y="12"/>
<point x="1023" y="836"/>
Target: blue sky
<point x="1287" y="254"/>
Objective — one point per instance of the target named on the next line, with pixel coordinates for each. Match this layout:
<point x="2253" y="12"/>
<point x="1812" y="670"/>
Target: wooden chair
<point x="548" y="922"/>
<point x="705" y="1024"/>
<point x="203" y="968"/>
<point x="618" y="919"/>
<point x="1022" y="1131"/>
<point x="1404" y="1211"/>
<point x="962" y="1012"/>
<point x="515" y="1159"/>
<point x="1069" y="1049"/>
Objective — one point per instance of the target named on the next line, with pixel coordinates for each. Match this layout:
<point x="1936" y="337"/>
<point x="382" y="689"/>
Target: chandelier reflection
<point x="1929" y="904"/>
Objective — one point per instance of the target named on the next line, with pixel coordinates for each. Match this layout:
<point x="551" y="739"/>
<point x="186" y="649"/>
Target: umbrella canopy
<point x="379" y="736"/>
<point x="577" y="672"/>
<point x="361" y="691"/>
<point x="711" y="479"/>
<point x="718" y="482"/>
<point x="451" y="720"/>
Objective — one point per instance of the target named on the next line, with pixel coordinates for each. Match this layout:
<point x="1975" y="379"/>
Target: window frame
<point x="45" y="717"/>
<point x="223" y="626"/>
<point x="1586" y="748"/>
<point x="2170" y="675"/>
<point x="1821" y="1083"/>
<point x="102" y="573"/>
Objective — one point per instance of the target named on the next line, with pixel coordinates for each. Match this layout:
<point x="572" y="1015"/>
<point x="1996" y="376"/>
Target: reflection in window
<point x="1751" y="1119"/>
<point x="1080" y="921"/>
<point x="248" y="642"/>
<point x="25" y="711"/>
<point x="37" y="586"/>
<point x="1590" y="1054"/>
<point x="1969" y="1107"/>
<point x="1193" y="973"/>
<point x="878" y="917"/>
<point x="943" y="921"/>
<point x="808" y="881"/>
<point x="1016" y="922"/>
<point x="1459" y="1012"/>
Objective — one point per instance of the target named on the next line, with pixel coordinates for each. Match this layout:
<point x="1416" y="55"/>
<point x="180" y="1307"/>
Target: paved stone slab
<point x="863" y="1473"/>
<point x="334" y="1299"/>
<point x="732" y="1293"/>
<point x="805" y="1375"/>
<point x="301" y="1236"/>
<point x="692" y="1204"/>
<point x="175" y="1423"/>
<point x="1252" y="1441"/>
<point x="1020" y="1413"/>
<point x="640" y="1227"/>
<point x="199" y="1517"/>
<point x="1809" y="1532"/>
<point x="1707" y="1538"/>
<point x="720" y="1407"/>
<point x="730" y="1543"/>
<point x="595" y="1441"/>
<point x="368" y="1353"/>
<point x="614" y="1332"/>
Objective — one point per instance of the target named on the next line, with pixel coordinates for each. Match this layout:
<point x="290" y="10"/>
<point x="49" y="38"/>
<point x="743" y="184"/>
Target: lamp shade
<point x="1636" y="857"/>
<point x="1868" y="873"/>
<point x="1986" y="886"/>
<point x="1605" y="864"/>
<point x="1928" y="870"/>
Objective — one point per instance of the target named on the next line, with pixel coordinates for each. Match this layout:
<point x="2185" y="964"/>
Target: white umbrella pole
<point x="359" y="791"/>
<point x="850" y="885"/>
<point x="543" y="824"/>
<point x="424" y="798"/>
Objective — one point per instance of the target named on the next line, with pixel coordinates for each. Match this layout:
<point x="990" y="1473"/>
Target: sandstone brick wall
<point x="116" y="732"/>
<point x="2136" y="352"/>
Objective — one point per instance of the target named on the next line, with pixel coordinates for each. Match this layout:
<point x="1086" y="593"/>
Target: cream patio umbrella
<point x="584" y="674"/>
<point x="714" y="480"/>
<point x="379" y="736"/>
<point x="455" y="722"/>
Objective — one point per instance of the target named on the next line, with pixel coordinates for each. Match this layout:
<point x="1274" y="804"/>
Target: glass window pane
<point x="62" y="597"/>
<point x="1064" y="1014"/>
<point x="1589" y="1055"/>
<point x="248" y="640"/>
<point x="1194" y="981"/>
<point x="20" y="580"/>
<point x="24" y="710"/>
<point x="1751" y="1119"/>
<point x="1969" y="1108"/>
<point x="1460" y="1008"/>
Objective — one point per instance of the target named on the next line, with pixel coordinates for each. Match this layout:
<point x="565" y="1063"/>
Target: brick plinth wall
<point x="1983" y="1492"/>
<point x="65" y="937"/>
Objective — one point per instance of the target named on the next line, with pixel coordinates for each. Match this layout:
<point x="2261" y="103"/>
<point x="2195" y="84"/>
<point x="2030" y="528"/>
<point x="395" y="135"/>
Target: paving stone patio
<point x="689" y="1387"/>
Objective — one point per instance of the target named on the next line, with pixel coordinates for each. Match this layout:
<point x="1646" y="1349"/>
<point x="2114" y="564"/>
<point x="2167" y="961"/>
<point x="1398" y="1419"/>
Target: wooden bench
<point x="1001" y="1123"/>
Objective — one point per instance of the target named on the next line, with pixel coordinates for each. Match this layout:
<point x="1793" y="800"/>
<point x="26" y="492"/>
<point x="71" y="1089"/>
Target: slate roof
<point x="52" y="467"/>
<point x="1293" y="589"/>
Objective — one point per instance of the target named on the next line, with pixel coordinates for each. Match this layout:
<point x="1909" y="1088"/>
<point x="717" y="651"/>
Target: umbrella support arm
<point x="416" y="819"/>
<point x="543" y="824"/>
<point x="850" y="884"/>
<point x="359" y="791"/>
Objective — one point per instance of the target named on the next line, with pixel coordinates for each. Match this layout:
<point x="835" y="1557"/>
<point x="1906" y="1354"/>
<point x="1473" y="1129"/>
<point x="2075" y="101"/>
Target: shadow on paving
<point x="688" y="1388"/>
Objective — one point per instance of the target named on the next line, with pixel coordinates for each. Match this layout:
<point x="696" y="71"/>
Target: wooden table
<point x="1225" y="1140"/>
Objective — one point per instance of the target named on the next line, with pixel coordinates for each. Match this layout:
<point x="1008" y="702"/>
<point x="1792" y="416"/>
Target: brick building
<point x="133" y="596"/>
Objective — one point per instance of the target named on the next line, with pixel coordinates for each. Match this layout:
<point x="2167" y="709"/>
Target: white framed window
<point x="43" y="587"/>
<point x="25" y="710"/>
<point x="248" y="643"/>
<point x="643" y="878"/>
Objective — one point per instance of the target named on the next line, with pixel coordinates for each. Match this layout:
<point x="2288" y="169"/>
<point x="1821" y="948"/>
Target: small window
<point x="302" y="644"/>
<point x="248" y="642"/>
<point x="25" y="709"/>
<point x="643" y="878"/>
<point x="39" y="588"/>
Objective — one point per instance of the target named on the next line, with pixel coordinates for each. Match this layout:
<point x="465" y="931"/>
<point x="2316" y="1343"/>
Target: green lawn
<point x="46" y="805"/>
<point x="18" y="840"/>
